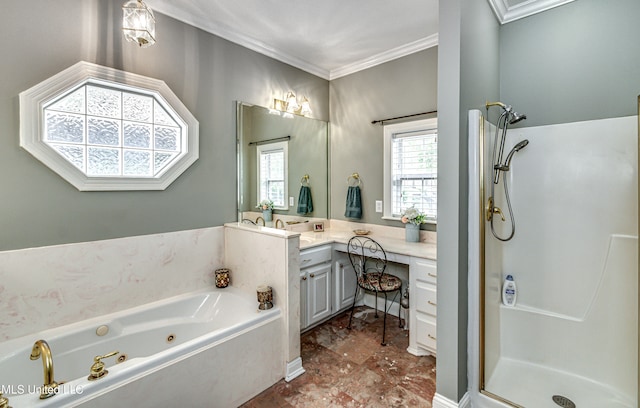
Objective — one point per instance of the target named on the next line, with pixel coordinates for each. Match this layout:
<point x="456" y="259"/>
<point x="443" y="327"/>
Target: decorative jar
<point x="265" y="297"/>
<point x="222" y="278"/>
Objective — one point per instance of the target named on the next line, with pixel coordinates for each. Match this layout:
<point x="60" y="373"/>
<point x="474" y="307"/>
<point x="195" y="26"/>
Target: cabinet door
<point x="344" y="286"/>
<point x="303" y="299"/>
<point x="318" y="293"/>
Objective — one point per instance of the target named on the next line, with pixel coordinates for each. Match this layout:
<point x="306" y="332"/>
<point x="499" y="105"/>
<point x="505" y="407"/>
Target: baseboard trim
<point x="419" y="352"/>
<point x="443" y="402"/>
<point x="294" y="369"/>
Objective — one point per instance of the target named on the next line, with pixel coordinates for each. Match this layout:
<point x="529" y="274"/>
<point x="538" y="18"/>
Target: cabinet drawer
<point x="425" y="298"/>
<point x="426" y="332"/>
<point x="424" y="270"/>
<point x="314" y="256"/>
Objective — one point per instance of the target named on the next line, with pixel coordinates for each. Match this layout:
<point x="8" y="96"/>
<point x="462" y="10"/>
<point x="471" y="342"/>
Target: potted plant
<point x="412" y="218"/>
<point x="267" y="209"/>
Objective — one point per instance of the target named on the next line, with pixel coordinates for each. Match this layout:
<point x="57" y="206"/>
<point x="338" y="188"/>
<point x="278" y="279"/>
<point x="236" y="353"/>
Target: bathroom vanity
<point x="328" y="282"/>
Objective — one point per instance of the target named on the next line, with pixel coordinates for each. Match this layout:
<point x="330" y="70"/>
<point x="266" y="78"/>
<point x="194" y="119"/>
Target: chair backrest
<point x="366" y="255"/>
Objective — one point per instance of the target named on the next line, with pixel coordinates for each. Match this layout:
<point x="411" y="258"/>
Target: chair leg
<point x="376" y="315"/>
<point x="353" y="306"/>
<point x="399" y="307"/>
<point x="384" y="323"/>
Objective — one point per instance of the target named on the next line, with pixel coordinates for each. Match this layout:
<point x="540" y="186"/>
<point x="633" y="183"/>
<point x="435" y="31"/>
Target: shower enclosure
<point x="571" y="339"/>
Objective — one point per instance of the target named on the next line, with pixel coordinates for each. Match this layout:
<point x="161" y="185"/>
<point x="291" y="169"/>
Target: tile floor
<point x="349" y="368"/>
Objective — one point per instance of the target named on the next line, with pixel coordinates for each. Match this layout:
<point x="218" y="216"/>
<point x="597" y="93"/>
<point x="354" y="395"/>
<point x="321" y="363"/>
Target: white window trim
<point x="275" y="146"/>
<point x="389" y="131"/>
<point x="33" y="101"/>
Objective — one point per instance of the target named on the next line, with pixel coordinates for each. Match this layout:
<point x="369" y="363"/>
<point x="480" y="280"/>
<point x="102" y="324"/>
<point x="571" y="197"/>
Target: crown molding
<point x="394" y="53"/>
<point x="507" y="13"/>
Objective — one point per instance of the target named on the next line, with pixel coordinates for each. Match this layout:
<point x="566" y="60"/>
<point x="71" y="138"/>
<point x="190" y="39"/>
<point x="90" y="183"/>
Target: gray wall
<point x="206" y="72"/>
<point x="468" y="69"/>
<point x="576" y="62"/>
<point x="401" y="87"/>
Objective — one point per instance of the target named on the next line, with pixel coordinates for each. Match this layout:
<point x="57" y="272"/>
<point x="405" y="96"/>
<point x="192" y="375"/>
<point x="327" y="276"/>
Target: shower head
<point x="516" y="117"/>
<point x="515" y="149"/>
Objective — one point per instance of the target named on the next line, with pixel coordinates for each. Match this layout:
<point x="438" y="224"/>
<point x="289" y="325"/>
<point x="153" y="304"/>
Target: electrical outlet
<point x="378" y="206"/>
<point x="290" y="200"/>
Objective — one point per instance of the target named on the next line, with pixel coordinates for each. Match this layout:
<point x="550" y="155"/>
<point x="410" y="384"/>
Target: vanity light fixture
<point x="138" y="23"/>
<point x="290" y="106"/>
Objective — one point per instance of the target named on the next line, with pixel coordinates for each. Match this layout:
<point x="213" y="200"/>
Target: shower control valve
<point x="497" y="210"/>
<point x="491" y="209"/>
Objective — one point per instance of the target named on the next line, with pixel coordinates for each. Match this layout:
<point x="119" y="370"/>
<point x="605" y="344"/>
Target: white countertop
<point x="391" y="245"/>
<point x="388" y="237"/>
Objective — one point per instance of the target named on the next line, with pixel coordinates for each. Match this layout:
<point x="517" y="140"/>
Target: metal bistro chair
<point x="369" y="262"/>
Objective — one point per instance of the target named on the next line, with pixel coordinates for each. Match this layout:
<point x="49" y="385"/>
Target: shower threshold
<point x="531" y="385"/>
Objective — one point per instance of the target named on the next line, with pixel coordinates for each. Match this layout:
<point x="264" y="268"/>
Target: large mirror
<point x="278" y="153"/>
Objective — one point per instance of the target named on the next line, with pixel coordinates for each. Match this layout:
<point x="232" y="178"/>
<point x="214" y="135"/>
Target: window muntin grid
<point x="114" y="131"/>
<point x="272" y="173"/>
<point x="414" y="172"/>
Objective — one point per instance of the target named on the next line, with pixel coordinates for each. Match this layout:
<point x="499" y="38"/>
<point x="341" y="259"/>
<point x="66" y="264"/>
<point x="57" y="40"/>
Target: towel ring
<point x="355" y="179"/>
<point x="304" y="181"/>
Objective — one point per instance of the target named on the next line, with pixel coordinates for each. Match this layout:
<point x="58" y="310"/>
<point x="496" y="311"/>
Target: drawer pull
<point x="304" y="278"/>
<point x="312" y="275"/>
<point x="431" y="337"/>
<point x="431" y="303"/>
<point x="306" y="260"/>
<point x="433" y="275"/>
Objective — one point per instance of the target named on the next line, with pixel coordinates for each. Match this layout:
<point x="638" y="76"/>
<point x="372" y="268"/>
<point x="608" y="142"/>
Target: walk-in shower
<point x="571" y="339"/>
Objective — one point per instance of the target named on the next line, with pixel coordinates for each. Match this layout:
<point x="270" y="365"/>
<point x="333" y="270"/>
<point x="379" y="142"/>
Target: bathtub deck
<point x="349" y="368"/>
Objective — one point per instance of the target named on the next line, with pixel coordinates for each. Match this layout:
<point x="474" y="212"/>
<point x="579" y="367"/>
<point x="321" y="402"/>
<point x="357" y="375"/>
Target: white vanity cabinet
<point x="423" y="306"/>
<point x="345" y="283"/>
<point x="315" y="285"/>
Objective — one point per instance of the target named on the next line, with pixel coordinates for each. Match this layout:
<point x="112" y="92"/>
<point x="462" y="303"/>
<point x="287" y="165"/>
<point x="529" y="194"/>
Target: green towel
<point x="354" y="203"/>
<point x="305" y="203"/>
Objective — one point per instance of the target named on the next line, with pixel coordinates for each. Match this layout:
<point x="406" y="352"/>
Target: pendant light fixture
<point x="138" y="23"/>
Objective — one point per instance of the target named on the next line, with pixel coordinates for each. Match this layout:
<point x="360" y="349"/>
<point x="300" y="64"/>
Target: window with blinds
<point x="272" y="173"/>
<point x="411" y="168"/>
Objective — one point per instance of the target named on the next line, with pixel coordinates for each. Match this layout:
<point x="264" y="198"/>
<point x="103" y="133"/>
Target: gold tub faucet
<point x="4" y="402"/>
<point x="41" y="349"/>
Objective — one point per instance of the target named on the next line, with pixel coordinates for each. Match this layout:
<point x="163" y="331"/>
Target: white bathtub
<point x="224" y="351"/>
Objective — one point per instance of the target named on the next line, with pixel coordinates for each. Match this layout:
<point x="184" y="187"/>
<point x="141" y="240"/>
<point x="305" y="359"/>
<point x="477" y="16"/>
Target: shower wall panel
<point x="573" y="256"/>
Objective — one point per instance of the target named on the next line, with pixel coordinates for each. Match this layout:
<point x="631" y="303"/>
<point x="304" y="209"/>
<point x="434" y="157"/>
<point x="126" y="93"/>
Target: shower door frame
<point x="482" y="230"/>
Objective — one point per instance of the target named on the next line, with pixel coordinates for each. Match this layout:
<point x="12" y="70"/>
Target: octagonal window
<point x="104" y="129"/>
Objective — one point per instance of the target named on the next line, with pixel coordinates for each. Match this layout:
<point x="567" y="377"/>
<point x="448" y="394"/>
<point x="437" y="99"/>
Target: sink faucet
<point x="260" y="218"/>
<point x="281" y="223"/>
<point x="41" y="349"/>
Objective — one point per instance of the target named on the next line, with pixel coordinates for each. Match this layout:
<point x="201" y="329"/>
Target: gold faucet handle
<point x="4" y="402"/>
<point x="97" y="368"/>
<point x="497" y="210"/>
<point x="491" y="209"/>
<point x="98" y="358"/>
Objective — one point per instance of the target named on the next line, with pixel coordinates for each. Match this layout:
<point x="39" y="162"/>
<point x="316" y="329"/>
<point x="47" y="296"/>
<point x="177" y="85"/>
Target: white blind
<point x="272" y="176"/>
<point x="414" y="172"/>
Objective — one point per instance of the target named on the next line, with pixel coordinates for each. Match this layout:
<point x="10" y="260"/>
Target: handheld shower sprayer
<point x="507" y="117"/>
<point x="505" y="167"/>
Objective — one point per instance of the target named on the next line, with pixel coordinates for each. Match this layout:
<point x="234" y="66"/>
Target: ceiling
<point x="329" y="38"/>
